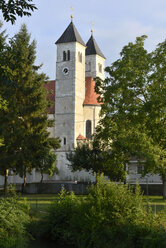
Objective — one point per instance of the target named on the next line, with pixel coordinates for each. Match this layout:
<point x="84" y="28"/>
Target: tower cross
<point x="92" y="26"/>
<point x="72" y="12"/>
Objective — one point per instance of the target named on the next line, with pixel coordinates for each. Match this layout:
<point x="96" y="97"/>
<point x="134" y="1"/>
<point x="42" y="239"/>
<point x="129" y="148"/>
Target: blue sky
<point x="116" y="22"/>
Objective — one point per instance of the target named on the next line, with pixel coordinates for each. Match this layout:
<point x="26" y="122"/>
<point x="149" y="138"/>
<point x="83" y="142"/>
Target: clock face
<point x="65" y="70"/>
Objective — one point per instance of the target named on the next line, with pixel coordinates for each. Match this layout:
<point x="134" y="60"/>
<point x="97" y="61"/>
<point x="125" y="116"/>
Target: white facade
<point x="70" y="112"/>
<point x="74" y="107"/>
<point x="95" y="65"/>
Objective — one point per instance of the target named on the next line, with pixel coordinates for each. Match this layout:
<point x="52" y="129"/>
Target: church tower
<point x="95" y="63"/>
<point x="69" y="92"/>
<point x="95" y="60"/>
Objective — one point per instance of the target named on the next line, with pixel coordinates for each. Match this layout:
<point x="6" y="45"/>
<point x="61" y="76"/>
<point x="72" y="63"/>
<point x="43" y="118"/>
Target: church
<point x="75" y="107"/>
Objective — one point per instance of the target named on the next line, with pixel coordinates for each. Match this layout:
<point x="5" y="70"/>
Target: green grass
<point x="156" y="199"/>
<point x="157" y="203"/>
<point x="41" y="202"/>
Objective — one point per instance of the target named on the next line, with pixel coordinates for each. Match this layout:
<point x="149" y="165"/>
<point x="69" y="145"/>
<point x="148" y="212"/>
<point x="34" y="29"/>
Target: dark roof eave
<point x="96" y="54"/>
<point x="70" y="35"/>
<point x="92" y="48"/>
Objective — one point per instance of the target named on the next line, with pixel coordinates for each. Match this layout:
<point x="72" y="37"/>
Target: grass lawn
<point x="157" y="203"/>
<point x="41" y="202"/>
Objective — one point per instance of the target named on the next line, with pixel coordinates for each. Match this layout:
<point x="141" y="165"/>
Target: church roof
<point x="90" y="94"/>
<point x="81" y="137"/>
<point x="92" y="47"/>
<point x="70" y="35"/>
<point x="50" y="86"/>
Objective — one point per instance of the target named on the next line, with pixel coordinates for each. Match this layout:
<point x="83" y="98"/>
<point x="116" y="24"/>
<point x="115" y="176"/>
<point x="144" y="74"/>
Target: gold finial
<point x="72" y="10"/>
<point x="91" y="27"/>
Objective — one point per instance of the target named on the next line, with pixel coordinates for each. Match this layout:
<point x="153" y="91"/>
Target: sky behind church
<point x="116" y="22"/>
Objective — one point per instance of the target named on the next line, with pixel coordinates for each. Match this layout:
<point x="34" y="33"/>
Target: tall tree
<point x="12" y="8"/>
<point x="134" y="106"/>
<point x="3" y="106"/>
<point x="25" y="124"/>
<point x="92" y="157"/>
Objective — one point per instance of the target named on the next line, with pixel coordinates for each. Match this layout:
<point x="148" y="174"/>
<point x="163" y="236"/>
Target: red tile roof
<point x="50" y="86"/>
<point x="90" y="94"/>
<point x="81" y="137"/>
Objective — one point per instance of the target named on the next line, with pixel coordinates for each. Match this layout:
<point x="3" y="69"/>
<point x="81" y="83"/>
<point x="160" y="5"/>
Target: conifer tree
<point x="24" y="125"/>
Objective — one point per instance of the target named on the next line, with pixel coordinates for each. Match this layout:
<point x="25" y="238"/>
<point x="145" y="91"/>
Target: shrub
<point x="60" y="215"/>
<point x="13" y="219"/>
<point x="112" y="215"/>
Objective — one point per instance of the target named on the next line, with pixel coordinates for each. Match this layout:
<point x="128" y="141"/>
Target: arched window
<point x="100" y="68"/>
<point x="64" y="56"/>
<point x="64" y="141"/>
<point x="68" y="54"/>
<point x="88" y="129"/>
<point x="88" y="66"/>
<point x="80" y="57"/>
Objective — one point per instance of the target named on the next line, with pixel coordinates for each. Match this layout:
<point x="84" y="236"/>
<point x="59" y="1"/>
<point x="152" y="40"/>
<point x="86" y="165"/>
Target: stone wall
<point x="55" y="188"/>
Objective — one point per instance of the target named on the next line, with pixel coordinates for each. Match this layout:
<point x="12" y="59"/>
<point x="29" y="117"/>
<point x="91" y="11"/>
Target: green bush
<point x="112" y="215"/>
<point x="60" y="218"/>
<point x="13" y="219"/>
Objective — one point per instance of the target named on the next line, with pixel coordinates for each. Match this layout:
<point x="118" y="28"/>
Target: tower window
<point x="80" y="57"/>
<point x="64" y="56"/>
<point x="88" y="129"/>
<point x="88" y="66"/>
<point x="68" y="54"/>
<point x="100" y="68"/>
<point x="64" y="141"/>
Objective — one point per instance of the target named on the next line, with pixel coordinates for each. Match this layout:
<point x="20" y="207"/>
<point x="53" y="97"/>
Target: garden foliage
<point x="14" y="217"/>
<point x="111" y="215"/>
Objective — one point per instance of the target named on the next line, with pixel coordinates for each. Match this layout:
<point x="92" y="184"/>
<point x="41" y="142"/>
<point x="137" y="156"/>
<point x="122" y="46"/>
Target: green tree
<point x="24" y="125"/>
<point x="12" y="8"/>
<point x="46" y="158"/>
<point x="2" y="107"/>
<point x="92" y="157"/>
<point x="3" y="104"/>
<point x="134" y="106"/>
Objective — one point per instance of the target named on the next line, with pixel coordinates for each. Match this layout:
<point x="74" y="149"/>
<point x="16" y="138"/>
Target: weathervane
<point x="72" y="11"/>
<point x="91" y="27"/>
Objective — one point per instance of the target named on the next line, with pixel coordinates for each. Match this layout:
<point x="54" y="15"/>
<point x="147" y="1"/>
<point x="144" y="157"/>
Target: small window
<point x="80" y="57"/>
<point x="64" y="141"/>
<point x="68" y="55"/>
<point x="88" y="129"/>
<point x="140" y="169"/>
<point x="100" y="68"/>
<point x="64" y="56"/>
<point x="88" y="66"/>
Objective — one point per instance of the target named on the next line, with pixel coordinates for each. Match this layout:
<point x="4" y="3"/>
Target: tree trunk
<point x="6" y="182"/>
<point x="164" y="188"/>
<point x="25" y="181"/>
<point x="41" y="177"/>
